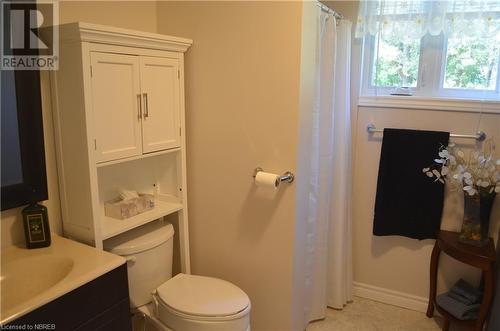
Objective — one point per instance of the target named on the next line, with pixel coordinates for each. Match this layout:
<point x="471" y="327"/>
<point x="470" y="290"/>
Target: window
<point x="431" y="48"/>
<point x="396" y="62"/>
<point x="471" y="63"/>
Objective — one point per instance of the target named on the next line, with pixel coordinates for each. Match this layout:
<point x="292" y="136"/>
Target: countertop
<point x="30" y="278"/>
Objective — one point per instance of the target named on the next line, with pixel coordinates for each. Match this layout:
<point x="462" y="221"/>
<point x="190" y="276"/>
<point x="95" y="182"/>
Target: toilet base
<point x="145" y="319"/>
<point x="149" y="322"/>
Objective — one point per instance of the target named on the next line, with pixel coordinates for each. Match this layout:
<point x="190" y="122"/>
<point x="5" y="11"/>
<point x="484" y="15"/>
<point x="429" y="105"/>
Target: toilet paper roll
<point x="266" y="179"/>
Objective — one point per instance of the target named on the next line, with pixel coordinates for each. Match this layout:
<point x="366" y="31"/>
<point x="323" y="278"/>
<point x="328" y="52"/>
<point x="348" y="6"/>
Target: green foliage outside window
<point x="397" y="62"/>
<point x="472" y="63"/>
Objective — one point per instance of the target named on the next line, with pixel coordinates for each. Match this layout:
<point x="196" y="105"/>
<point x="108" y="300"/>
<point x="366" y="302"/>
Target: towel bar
<point x="479" y="136"/>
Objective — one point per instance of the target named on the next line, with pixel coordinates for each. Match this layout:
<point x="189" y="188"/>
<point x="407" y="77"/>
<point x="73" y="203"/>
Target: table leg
<point x="436" y="251"/>
<point x="487" y="298"/>
<point x="446" y="324"/>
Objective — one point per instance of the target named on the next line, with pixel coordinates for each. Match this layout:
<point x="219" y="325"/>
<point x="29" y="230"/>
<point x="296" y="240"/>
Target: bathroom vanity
<point x="67" y="286"/>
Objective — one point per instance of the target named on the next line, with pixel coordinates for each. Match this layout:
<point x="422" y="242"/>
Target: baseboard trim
<point x="391" y="297"/>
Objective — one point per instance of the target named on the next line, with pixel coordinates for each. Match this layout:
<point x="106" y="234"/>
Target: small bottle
<point x="36" y="226"/>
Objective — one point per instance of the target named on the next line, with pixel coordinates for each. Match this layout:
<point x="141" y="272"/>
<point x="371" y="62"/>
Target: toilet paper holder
<point x="287" y="177"/>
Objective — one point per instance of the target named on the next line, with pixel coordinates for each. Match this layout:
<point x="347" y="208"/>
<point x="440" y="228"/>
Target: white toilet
<point x="184" y="302"/>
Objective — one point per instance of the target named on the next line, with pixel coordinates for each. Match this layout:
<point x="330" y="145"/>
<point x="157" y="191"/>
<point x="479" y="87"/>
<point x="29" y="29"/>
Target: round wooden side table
<point x="479" y="257"/>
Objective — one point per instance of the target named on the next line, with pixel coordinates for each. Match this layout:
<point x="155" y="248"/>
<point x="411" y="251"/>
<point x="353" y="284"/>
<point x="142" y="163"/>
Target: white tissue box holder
<point x="123" y="209"/>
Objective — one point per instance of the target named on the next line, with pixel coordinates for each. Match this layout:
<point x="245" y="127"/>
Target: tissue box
<point x="122" y="209"/>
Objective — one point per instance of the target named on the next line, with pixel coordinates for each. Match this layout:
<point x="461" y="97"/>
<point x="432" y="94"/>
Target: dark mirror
<point x="23" y="177"/>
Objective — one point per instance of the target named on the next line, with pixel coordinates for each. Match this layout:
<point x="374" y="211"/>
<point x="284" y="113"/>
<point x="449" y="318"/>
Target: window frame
<point x="368" y="61"/>
<point x="467" y="93"/>
<point x="432" y="59"/>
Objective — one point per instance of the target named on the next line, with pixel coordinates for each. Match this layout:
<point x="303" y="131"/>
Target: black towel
<point x="408" y="203"/>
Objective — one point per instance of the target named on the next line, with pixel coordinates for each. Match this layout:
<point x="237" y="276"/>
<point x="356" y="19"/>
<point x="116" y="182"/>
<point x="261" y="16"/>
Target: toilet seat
<point x="189" y="302"/>
<point x="202" y="296"/>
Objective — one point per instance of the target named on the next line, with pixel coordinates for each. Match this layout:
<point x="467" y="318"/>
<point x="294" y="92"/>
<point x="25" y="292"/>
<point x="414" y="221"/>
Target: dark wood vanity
<point x="101" y="304"/>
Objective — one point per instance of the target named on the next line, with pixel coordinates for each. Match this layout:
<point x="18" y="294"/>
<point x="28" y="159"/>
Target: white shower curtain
<point x="328" y="274"/>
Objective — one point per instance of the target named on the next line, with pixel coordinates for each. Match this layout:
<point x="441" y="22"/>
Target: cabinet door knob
<point x="146" y="110"/>
<point x="139" y="107"/>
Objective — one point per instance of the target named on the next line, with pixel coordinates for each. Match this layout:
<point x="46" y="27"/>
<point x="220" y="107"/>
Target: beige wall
<point x="398" y="263"/>
<point x="139" y="15"/>
<point x="242" y="99"/>
<point x="349" y="8"/>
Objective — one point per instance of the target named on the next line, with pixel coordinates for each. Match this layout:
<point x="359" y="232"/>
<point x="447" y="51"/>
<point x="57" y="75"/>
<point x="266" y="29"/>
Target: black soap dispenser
<point x="36" y="226"/>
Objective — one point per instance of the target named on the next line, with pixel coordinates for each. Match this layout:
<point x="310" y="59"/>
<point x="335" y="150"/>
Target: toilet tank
<point x="148" y="251"/>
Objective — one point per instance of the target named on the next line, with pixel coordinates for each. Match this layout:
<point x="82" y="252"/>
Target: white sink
<point x="36" y="274"/>
<point x="31" y="278"/>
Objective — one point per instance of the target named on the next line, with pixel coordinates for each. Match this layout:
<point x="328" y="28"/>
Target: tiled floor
<point x="367" y="315"/>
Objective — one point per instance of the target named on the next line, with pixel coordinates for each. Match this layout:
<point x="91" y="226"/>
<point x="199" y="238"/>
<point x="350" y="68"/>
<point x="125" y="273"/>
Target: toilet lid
<point x="202" y="296"/>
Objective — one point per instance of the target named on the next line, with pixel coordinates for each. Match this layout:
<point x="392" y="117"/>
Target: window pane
<point x="395" y="61"/>
<point x="472" y="63"/>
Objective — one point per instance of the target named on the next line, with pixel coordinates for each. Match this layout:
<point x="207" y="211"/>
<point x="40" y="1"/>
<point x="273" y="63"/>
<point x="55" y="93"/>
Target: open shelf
<point x="111" y="227"/>
<point x="480" y="257"/>
<point x="467" y="323"/>
<point x="138" y="157"/>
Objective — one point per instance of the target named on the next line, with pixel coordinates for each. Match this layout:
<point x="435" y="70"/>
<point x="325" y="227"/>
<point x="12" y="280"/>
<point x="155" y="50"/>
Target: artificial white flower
<point x="444" y="154"/>
<point x="476" y="174"/>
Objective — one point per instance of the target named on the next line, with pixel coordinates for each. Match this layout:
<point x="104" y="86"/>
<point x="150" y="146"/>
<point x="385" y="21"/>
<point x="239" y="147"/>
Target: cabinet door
<point x="160" y="97"/>
<point x="116" y="105"/>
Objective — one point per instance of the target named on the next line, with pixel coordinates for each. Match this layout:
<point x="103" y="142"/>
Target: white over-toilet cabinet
<point x="118" y="100"/>
<point x="135" y="102"/>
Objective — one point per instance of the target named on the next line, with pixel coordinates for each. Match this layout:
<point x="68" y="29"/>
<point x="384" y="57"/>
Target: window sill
<point x="444" y="104"/>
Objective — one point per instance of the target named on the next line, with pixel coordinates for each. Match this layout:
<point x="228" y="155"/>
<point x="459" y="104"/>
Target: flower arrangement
<point x="476" y="173"/>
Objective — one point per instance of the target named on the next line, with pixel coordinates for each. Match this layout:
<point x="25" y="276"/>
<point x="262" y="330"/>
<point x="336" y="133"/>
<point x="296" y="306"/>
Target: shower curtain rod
<point x="327" y="9"/>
